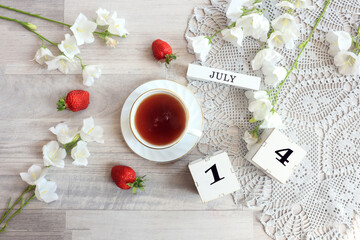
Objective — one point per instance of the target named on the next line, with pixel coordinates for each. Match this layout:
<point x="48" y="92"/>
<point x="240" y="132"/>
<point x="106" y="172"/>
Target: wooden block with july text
<point x="276" y="155"/>
<point x="214" y="176"/>
<point x="197" y="72"/>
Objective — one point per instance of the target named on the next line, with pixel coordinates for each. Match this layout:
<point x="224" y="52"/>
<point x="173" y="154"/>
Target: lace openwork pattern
<point x="321" y="111"/>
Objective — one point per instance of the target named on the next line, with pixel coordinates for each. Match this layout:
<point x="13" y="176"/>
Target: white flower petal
<point x="276" y="39"/>
<point x="103" y="17"/>
<point x="253" y="95"/>
<point x="45" y="191"/>
<point x="265" y="57"/>
<point x="254" y="25"/>
<point x="339" y="41"/>
<point x="43" y="54"/>
<point x="83" y="29"/>
<point x="63" y="133"/>
<point x="69" y="46"/>
<point x="285" y="4"/>
<point x="26" y="178"/>
<point x="235" y="10"/>
<point x="348" y="63"/>
<point x="80" y="154"/>
<point x="90" y="73"/>
<point x="53" y="155"/>
<point x="259" y="104"/>
<point x="250" y="140"/>
<point x="88" y="124"/>
<point x="290" y="39"/>
<point x="234" y="35"/>
<point x="90" y="132"/>
<point x="286" y="24"/>
<point x="201" y="47"/>
<point x="33" y="175"/>
<point x="117" y="25"/>
<point x="260" y="108"/>
<point x="63" y="64"/>
<point x="236" y="7"/>
<point x="303" y="4"/>
<point x="272" y="120"/>
<point x="274" y="74"/>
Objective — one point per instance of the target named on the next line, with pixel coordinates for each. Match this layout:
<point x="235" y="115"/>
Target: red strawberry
<point x="125" y="178"/>
<point x="75" y="100"/>
<point x="162" y="51"/>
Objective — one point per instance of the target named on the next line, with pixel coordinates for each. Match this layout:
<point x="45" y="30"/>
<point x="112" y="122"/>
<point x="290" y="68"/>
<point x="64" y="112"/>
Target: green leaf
<point x="61" y="105"/>
<point x="169" y="58"/>
<point x="138" y="183"/>
<point x="23" y="201"/>
<point x="252" y="120"/>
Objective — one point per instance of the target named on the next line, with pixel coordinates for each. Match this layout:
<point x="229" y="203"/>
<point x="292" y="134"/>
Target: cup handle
<point x="195" y="132"/>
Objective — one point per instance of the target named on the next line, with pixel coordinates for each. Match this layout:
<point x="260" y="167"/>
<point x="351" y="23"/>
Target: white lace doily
<point x="321" y="111"/>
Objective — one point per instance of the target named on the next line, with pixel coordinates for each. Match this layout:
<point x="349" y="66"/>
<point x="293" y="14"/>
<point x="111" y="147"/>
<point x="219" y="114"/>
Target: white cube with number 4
<point x="214" y="176"/>
<point x="276" y="155"/>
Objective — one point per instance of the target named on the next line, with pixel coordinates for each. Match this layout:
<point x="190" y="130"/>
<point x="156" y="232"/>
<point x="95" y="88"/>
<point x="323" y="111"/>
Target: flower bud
<point x="30" y="26"/>
<point x="110" y="42"/>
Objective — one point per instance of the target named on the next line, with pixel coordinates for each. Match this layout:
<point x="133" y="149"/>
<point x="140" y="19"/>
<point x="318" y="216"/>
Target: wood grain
<point x="163" y="224"/>
<point x="90" y="206"/>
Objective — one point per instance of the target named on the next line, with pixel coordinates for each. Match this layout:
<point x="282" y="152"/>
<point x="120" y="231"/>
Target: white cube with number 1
<point x="276" y="155"/>
<point x="214" y="176"/>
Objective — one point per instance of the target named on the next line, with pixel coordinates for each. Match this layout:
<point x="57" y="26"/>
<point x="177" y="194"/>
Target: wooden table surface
<point x="90" y="206"/>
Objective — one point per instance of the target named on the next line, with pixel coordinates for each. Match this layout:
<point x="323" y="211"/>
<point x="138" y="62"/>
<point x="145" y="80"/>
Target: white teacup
<point x="135" y="106"/>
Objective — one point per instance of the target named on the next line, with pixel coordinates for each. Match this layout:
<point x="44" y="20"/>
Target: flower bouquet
<point x="70" y="141"/>
<point x="83" y="31"/>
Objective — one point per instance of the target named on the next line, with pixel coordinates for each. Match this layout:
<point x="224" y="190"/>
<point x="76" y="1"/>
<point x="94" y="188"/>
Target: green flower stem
<point x="42" y="42"/>
<point x="34" y="15"/>
<point x="69" y="146"/>
<point x="42" y="37"/>
<point x="245" y="12"/>
<point x="268" y="36"/>
<point x="302" y="46"/>
<point x="17" y="211"/>
<point x="217" y="32"/>
<point x="106" y="33"/>
<point x="279" y="87"/>
<point x="255" y="131"/>
<point x="357" y="50"/>
<point x="101" y="34"/>
<point x="6" y="213"/>
<point x="81" y="64"/>
<point x="24" y="24"/>
<point x="270" y="91"/>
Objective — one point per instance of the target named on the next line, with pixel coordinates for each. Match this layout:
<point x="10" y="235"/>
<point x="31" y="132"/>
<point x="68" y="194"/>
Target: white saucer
<point x="185" y="145"/>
